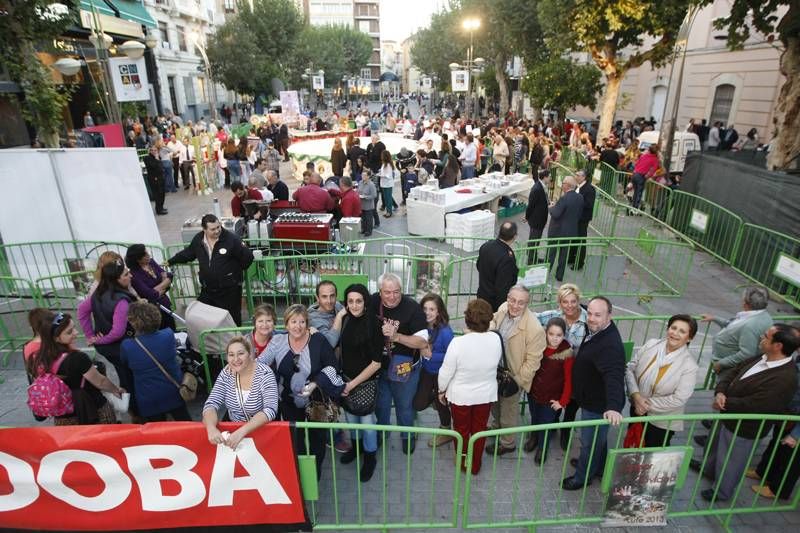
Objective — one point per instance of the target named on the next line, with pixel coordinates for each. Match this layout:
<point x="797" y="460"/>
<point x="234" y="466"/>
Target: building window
<point x="229" y="6"/>
<point x="363" y="26"/>
<point x="202" y="83"/>
<point x="366" y="73"/>
<point x="163" y="34"/>
<point x="723" y="101"/>
<point x="188" y="89"/>
<point x="181" y="38"/>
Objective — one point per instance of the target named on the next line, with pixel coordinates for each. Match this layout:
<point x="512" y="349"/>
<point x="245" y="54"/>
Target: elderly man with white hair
<point x="405" y="332"/>
<point x="564" y="218"/>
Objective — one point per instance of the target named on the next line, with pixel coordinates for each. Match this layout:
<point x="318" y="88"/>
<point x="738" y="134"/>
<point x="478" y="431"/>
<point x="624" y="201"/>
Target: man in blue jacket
<point x="598" y="387"/>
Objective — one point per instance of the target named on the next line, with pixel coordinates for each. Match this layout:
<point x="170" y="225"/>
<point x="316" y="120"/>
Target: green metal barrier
<point x="767" y="257"/>
<point x="513" y="491"/>
<point x="401" y="494"/>
<point x="17" y="297"/>
<point x="657" y="199"/>
<point x="617" y="266"/>
<point x="711" y="227"/>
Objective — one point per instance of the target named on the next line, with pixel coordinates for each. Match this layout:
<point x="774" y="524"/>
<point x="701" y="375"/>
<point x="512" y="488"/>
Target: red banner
<point x="165" y="475"/>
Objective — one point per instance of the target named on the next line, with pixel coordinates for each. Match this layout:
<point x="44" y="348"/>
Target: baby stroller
<point x="201" y="317"/>
<point x="406" y="159"/>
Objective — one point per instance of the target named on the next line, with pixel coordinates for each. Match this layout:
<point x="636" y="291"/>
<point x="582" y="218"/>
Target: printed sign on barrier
<point x="156" y="476"/>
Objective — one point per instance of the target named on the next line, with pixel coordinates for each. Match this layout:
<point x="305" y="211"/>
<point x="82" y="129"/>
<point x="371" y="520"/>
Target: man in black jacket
<point x="155" y="178"/>
<point x="497" y="266"/>
<point x="222" y="260"/>
<point x="536" y="215"/>
<point x="577" y="254"/>
<point x="598" y="387"/>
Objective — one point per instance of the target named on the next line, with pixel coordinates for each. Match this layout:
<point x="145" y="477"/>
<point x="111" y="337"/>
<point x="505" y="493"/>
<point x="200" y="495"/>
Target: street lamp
<point x="196" y="39"/>
<point x="470" y="24"/>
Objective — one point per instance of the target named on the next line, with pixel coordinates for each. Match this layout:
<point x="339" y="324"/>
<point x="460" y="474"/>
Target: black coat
<point x="565" y="215"/>
<point x="374" y="152"/>
<point x="229" y="259"/>
<point x="598" y="374"/>
<point x="536" y="213"/>
<point x="589" y="193"/>
<point x="497" y="272"/>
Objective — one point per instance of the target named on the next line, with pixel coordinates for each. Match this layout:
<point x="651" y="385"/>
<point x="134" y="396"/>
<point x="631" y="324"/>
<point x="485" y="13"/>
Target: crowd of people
<point x="370" y="352"/>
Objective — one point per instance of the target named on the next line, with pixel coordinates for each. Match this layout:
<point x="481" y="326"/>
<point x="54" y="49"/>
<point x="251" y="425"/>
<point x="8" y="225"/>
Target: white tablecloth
<point x="426" y="218"/>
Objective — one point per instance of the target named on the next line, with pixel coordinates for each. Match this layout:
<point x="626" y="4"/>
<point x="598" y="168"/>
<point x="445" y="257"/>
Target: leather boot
<point x="350" y="455"/>
<point x="368" y="468"/>
<point x="564" y="437"/>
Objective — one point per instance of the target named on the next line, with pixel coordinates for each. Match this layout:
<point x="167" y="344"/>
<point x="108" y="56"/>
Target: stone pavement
<point x="712" y="288"/>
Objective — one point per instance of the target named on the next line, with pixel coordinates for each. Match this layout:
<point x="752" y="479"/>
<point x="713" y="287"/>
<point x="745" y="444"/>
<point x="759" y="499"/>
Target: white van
<point x="683" y="143"/>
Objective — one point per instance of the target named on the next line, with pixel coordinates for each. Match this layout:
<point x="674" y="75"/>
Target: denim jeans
<point x="468" y="171"/>
<point x="388" y="201"/>
<point x="600" y="448"/>
<point x="403" y="396"/>
<point x="369" y="436"/>
<point x="542" y="414"/>
<point x="169" y="178"/>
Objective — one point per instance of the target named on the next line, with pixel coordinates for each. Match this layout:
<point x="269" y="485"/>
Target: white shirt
<point x="387" y="175"/>
<point x="469" y="371"/>
<point x="469" y="154"/>
<point x="186" y="153"/>
<point x="713" y="136"/>
<point x="763" y="364"/>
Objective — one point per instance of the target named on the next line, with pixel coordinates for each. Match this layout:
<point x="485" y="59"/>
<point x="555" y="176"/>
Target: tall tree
<point x="438" y="45"/>
<point x="561" y="84"/>
<point x="761" y="16"/>
<point x="338" y="50"/>
<point x="23" y="25"/>
<point x="617" y="34"/>
<point x="253" y="46"/>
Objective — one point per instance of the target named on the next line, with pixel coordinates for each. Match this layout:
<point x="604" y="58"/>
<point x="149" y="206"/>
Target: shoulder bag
<point x="188" y="385"/>
<point x="506" y="386"/>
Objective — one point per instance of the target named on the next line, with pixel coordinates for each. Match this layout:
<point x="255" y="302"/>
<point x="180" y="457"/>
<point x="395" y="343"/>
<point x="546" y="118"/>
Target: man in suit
<point x="577" y="254"/>
<point x="536" y="216"/>
<point x="765" y="385"/>
<point x="497" y="266"/>
<point x="564" y="217"/>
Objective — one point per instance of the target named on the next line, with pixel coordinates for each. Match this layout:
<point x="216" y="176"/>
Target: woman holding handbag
<point x="661" y="379"/>
<point x="248" y="391"/>
<point x="152" y="358"/>
<point x="361" y="343"/>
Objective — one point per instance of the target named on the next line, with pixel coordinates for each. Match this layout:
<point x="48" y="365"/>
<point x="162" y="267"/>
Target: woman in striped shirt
<point x="248" y="391"/>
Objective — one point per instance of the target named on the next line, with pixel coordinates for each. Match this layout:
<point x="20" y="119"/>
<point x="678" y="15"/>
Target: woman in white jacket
<point x="661" y="379"/>
<point x="468" y="377"/>
<point x="387" y="175"/>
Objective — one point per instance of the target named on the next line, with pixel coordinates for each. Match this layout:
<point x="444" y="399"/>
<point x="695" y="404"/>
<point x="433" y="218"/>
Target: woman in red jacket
<point x="645" y="167"/>
<point x="551" y="387"/>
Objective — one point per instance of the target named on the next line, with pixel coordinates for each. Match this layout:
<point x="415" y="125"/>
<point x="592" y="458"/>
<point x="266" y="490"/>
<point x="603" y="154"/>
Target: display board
<point x="81" y="194"/>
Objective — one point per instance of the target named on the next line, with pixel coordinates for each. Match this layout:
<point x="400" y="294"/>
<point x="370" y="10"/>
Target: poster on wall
<point x="640" y="483"/>
<point x="459" y="80"/>
<point x="130" y="79"/>
<point x="290" y="105"/>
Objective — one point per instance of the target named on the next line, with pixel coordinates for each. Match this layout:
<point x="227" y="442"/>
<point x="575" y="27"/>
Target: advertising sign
<point x="318" y="82"/>
<point x="290" y="105"/>
<point x="459" y="79"/>
<point x="130" y="79"/>
<point x="640" y="483"/>
<point x="699" y="220"/>
<point x="150" y="477"/>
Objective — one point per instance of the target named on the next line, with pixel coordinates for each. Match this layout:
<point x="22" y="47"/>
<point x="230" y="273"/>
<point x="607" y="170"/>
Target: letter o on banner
<point x="117" y="484"/>
<point x="23" y="484"/>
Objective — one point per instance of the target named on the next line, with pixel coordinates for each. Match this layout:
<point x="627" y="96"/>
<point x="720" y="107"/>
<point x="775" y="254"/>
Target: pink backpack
<point x="48" y="395"/>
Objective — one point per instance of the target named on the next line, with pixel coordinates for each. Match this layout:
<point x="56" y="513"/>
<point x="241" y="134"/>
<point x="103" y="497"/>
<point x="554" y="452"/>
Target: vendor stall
<point x="427" y="206"/>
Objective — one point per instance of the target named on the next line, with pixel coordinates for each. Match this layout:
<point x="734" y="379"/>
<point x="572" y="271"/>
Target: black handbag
<point x="362" y="399"/>
<point x="506" y="386"/>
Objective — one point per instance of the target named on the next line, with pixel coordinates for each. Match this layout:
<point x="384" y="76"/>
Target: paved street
<point x="712" y="288"/>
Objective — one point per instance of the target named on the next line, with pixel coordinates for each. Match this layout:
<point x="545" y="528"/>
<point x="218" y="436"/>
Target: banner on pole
<point x="318" y="82"/>
<point x="290" y="105"/>
<point x="151" y="477"/>
<point x="129" y="77"/>
<point x="459" y="79"/>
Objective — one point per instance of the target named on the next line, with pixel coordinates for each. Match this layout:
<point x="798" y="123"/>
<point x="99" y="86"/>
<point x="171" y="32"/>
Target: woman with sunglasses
<point x="58" y="354"/>
<point x="104" y="317"/>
